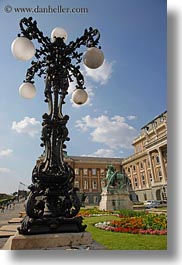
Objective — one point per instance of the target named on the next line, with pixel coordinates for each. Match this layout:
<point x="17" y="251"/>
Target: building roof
<point x="94" y="159"/>
<point x="159" y="116"/>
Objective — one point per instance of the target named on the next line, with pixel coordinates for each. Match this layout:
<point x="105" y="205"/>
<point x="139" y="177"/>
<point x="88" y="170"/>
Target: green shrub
<point x="131" y="213"/>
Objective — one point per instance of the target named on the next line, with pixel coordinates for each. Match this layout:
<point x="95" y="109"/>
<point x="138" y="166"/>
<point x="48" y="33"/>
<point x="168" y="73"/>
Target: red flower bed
<point x="148" y="224"/>
<point x="132" y="230"/>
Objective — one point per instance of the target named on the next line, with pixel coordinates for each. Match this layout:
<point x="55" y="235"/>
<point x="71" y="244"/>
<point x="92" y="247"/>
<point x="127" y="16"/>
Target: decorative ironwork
<point x="53" y="204"/>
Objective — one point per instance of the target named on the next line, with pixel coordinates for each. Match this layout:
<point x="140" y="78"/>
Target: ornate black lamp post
<point x="53" y="204"/>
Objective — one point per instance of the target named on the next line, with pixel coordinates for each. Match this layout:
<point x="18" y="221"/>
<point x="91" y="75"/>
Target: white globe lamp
<point x="79" y="96"/>
<point x="22" y="49"/>
<point x="27" y="90"/>
<point x="93" y="58"/>
<point x="59" y="33"/>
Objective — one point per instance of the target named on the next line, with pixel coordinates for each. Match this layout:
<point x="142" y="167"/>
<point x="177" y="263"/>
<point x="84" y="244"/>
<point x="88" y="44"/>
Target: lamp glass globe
<point x="59" y="33"/>
<point x="93" y="58"/>
<point x="27" y="90"/>
<point x="79" y="96"/>
<point x="22" y="49"/>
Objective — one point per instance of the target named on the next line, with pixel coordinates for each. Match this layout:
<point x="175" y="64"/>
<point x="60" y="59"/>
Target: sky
<point x="125" y="93"/>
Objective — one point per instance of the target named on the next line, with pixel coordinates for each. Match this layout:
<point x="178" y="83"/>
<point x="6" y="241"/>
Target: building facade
<point x="146" y="168"/>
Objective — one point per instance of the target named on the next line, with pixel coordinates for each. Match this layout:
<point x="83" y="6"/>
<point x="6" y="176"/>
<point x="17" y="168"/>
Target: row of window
<point x="94" y="184"/>
<point x="92" y="170"/>
<point x="141" y="164"/>
<point x="143" y="179"/>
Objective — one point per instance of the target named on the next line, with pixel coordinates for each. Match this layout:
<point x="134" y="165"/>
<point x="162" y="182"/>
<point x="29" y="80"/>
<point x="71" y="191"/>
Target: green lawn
<point x="123" y="241"/>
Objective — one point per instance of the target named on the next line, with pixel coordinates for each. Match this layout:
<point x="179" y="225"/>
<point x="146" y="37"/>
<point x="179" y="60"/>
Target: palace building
<point x="146" y="168"/>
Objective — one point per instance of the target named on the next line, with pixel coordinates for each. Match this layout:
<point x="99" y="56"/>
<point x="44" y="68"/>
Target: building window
<point x="95" y="199"/>
<point x="94" y="171"/>
<point x="130" y="184"/>
<point x="94" y="184"/>
<point x="141" y="165"/>
<point x="77" y="184"/>
<point x="136" y="182"/>
<point x="85" y="185"/>
<point x="150" y="176"/>
<point x="145" y="196"/>
<point x="129" y="170"/>
<point x="157" y="159"/>
<point x="85" y="171"/>
<point x="134" y="168"/>
<point x="160" y="175"/>
<point x="143" y="180"/>
<point x="76" y="171"/>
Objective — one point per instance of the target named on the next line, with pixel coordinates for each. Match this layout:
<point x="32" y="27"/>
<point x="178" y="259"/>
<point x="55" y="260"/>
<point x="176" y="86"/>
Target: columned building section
<point x="147" y="168"/>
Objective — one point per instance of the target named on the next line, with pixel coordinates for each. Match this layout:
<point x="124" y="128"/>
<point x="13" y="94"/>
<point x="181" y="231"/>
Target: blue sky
<point x="125" y="93"/>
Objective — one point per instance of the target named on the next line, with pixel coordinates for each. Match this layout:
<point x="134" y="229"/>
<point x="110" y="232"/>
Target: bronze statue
<point x="115" y="180"/>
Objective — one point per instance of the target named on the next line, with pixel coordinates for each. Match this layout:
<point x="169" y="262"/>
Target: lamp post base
<point x="55" y="241"/>
<point x="31" y="226"/>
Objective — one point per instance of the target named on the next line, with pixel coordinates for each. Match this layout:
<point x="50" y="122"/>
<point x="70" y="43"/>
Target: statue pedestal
<point x="112" y="200"/>
<point x="47" y="241"/>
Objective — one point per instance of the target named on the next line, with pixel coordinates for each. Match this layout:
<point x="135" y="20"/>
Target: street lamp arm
<point x="89" y="39"/>
<point x="38" y="67"/>
<point x="77" y="74"/>
<point x="30" y="30"/>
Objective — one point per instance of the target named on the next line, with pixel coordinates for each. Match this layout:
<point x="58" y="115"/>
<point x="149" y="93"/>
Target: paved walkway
<point x="7" y="215"/>
<point x="11" y="213"/>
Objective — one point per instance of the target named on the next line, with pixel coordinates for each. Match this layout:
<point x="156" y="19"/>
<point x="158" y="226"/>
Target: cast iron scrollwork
<point x="53" y="200"/>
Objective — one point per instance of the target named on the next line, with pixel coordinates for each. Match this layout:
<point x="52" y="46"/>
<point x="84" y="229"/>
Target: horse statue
<point x="115" y="180"/>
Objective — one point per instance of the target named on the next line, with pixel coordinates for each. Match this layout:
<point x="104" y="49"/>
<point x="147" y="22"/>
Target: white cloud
<point x="5" y="152"/>
<point x="4" y="170"/>
<point x="28" y="126"/>
<point x="113" y="132"/>
<point x="132" y="117"/>
<point x="103" y="153"/>
<point x="101" y="74"/>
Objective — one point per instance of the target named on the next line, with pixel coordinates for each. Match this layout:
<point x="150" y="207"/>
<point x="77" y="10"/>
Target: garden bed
<point x="123" y="241"/>
<point x="134" y="222"/>
<point x="147" y="223"/>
